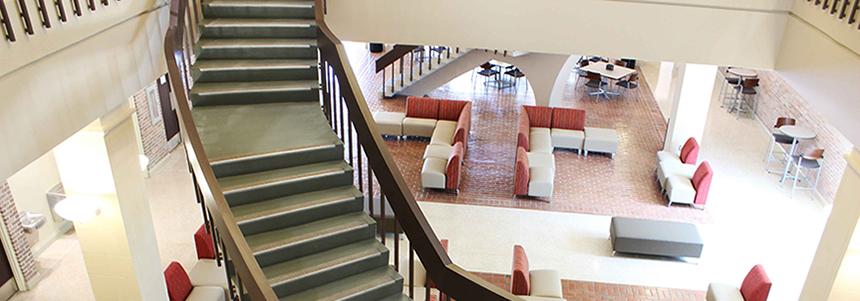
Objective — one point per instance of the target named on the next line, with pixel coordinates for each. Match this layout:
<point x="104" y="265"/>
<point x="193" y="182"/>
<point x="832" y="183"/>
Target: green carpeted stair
<point x="257" y="109"/>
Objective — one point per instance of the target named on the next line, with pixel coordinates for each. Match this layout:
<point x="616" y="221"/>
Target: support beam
<point x="100" y="164"/>
<point x="836" y="266"/>
<point x="691" y="92"/>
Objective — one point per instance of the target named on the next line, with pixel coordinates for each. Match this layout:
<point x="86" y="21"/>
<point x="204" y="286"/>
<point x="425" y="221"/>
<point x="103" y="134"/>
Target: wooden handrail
<point x="451" y="279"/>
<point x="397" y="52"/>
<point x="250" y="274"/>
<point x="7" y="24"/>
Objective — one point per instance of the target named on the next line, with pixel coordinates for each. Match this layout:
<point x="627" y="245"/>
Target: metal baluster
<point x="429" y="57"/>
<point x="401" y="72"/>
<point x="396" y="245"/>
<point x="324" y="86"/>
<point x="412" y="272"/>
<point x="382" y="213"/>
<point x="438" y="56"/>
<point x="448" y="50"/>
<point x="360" y="169"/>
<point x="351" y="141"/>
<point x="421" y="63"/>
<point x="216" y="237"/>
<point x="392" y="79"/>
<point x="370" y="189"/>
<point x="383" y="82"/>
<point x="228" y="269"/>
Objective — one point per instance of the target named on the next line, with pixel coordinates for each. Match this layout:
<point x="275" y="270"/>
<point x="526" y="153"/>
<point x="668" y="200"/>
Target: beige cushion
<point x="540" y="140"/>
<point x="541" y="181"/>
<point x="545" y="283"/>
<point x="569" y="139"/>
<point x="541" y="159"/>
<point x="535" y="298"/>
<point x="680" y="190"/>
<point x="438" y="151"/>
<point x="418" y="127"/>
<point x="670" y="168"/>
<point x="206" y="272"/>
<point x="206" y="293"/>
<point x="389" y="123"/>
<point x="667" y="156"/>
<point x="723" y="292"/>
<point x="533" y="130"/>
<point x="600" y="140"/>
<point x="443" y="134"/>
<point x="433" y="173"/>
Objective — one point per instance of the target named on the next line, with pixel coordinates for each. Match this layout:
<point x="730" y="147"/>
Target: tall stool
<point x="744" y="101"/>
<point x="809" y="161"/>
<point x="778" y="143"/>
<point x="729" y="83"/>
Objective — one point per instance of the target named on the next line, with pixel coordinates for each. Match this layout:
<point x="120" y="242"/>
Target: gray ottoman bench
<point x="657" y="238"/>
<point x="599" y="140"/>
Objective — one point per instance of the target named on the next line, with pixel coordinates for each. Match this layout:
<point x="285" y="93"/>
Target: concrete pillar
<point x="101" y="164"/>
<point x="691" y="92"/>
<point x="547" y="74"/>
<point x="835" y="270"/>
<point x="663" y="88"/>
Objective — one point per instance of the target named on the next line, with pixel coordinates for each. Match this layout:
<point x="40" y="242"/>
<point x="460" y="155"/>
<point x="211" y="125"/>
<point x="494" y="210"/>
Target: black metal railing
<point x="404" y="63"/>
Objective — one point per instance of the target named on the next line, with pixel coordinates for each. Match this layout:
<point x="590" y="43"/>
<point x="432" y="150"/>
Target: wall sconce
<point x="78" y="209"/>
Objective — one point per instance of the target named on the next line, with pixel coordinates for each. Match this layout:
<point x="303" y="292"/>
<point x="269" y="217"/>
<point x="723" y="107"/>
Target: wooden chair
<point x="781" y="121"/>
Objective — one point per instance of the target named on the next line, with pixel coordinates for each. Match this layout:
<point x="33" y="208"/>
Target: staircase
<point x="257" y="109"/>
<point x="411" y="68"/>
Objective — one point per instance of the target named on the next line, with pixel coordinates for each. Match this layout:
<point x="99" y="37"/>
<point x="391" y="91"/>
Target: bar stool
<point x="745" y="93"/>
<point x="809" y="161"/>
<point x="729" y="83"/>
<point x="516" y="74"/>
<point x="778" y="143"/>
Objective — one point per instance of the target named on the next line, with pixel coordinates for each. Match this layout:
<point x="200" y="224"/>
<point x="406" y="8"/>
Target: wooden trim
<point x="7" y="24"/>
<point x="252" y="279"/>
<point x="451" y="279"/>
<point x="392" y="56"/>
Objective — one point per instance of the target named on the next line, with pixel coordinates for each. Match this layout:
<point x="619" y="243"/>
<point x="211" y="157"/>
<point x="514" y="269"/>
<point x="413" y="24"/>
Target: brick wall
<point x="154" y="139"/>
<point x="20" y="245"/>
<point x="777" y="99"/>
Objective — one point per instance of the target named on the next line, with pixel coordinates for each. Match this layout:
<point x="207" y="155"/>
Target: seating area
<point x="534" y="285"/>
<point x="755" y="287"/>
<point x="681" y="181"/>
<point x="207" y="279"/>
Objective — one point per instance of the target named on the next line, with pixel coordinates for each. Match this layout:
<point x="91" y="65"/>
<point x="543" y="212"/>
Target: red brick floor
<point x="598" y="185"/>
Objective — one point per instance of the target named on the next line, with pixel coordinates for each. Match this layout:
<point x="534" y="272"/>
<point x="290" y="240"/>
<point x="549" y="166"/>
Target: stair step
<point x="303" y="273"/>
<point x="297" y="209"/>
<point x="259" y="28"/>
<point x="256" y="48"/>
<point x="372" y="285"/>
<point x="244" y="70"/>
<point x="270" y="184"/>
<point x="237" y="93"/>
<point x="258" y="9"/>
<point x="289" y="243"/>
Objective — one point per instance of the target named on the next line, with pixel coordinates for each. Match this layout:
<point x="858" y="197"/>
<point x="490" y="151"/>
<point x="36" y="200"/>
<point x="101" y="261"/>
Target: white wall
<point x="29" y="186"/>
<point x="48" y="100"/>
<point x="746" y="33"/>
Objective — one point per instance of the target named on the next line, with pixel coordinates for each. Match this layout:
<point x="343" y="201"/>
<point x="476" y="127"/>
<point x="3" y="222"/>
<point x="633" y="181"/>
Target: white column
<point x="835" y="271"/>
<point x="663" y="88"/>
<point x="100" y="164"/>
<point x="691" y="92"/>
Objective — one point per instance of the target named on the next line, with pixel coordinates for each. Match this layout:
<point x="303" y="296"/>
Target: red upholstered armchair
<point x="521" y="173"/>
<point x="204" y="244"/>
<point x="464" y="125"/>
<point x="523" y="132"/>
<point x="422" y="107"/>
<point x="702" y="182"/>
<point x="545" y="284"/>
<point x="452" y="171"/>
<point x="756" y="285"/>
<point x="690" y="151"/>
<point x="178" y="283"/>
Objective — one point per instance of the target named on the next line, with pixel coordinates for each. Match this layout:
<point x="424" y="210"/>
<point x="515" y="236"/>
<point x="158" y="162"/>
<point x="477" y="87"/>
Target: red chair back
<point x="756" y="285"/>
<point x="690" y="151"/>
<point x="452" y="172"/>
<point x="422" y="107"/>
<point x="178" y="283"/>
<point x="524" y="131"/>
<point x="521" y="173"/>
<point x="204" y="244"/>
<point x="520" y="282"/>
<point x="569" y="119"/>
<point x="540" y="117"/>
<point x="450" y="109"/>
<point x="702" y="182"/>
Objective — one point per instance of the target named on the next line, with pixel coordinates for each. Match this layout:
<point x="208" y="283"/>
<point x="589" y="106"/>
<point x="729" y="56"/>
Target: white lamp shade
<point x="78" y="209"/>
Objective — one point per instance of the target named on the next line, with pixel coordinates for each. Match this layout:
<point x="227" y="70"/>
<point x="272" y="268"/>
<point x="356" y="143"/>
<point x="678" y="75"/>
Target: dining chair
<point x="632" y="82"/>
<point x="595" y="81"/>
<point x="488" y="71"/>
<point x="580" y="74"/>
<point x="812" y="160"/>
<point x="516" y="74"/>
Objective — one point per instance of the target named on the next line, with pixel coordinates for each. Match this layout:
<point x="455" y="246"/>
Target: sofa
<point x="536" y="284"/>
<point x="755" y="287"/>
<point x="206" y="271"/>
<point x="682" y="163"/>
<point x="444" y="121"/>
<point x="180" y="287"/>
<point x="534" y="173"/>
<point x="690" y="190"/>
<point x="443" y="173"/>
<point x="542" y="129"/>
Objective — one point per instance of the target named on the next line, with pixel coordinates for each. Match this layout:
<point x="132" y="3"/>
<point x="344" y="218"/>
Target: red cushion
<point x="422" y="107"/>
<point x="203" y="243"/>
<point x="521" y="173"/>
<point x="756" y="285"/>
<point x="520" y="275"/>
<point x="464" y="124"/>
<point x="523" y="133"/>
<point x="451" y="109"/>
<point x="178" y="283"/>
<point x="690" y="151"/>
<point x="702" y="182"/>
<point x="540" y="117"/>
<point x="569" y="119"/>
<point x="452" y="172"/>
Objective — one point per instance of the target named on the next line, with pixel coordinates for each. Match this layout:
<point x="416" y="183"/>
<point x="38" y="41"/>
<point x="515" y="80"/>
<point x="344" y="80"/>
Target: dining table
<point x="797" y="133"/>
<point x="617" y="73"/>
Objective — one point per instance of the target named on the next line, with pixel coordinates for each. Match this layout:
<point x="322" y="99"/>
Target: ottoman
<point x="418" y="127"/>
<point x="656" y="238"/>
<point x="390" y="123"/>
<point x="569" y="139"/>
<point x="601" y="141"/>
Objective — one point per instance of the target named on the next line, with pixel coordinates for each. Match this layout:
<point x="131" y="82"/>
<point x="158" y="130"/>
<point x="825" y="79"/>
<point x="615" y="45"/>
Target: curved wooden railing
<point x="230" y="244"/>
<point x="347" y="110"/>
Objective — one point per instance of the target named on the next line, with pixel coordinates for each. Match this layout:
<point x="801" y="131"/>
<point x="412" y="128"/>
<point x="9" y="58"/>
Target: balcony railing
<point x="847" y="11"/>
